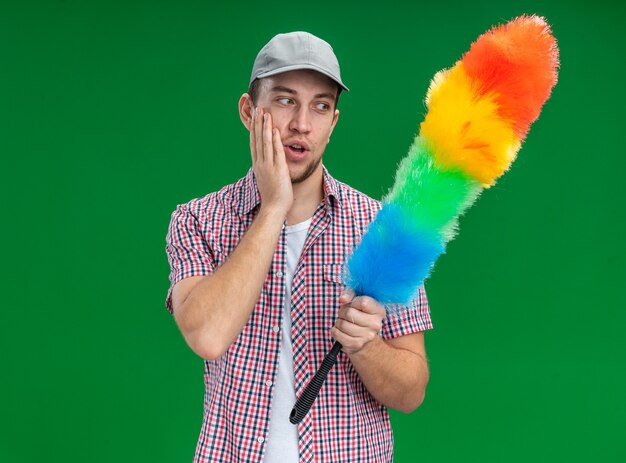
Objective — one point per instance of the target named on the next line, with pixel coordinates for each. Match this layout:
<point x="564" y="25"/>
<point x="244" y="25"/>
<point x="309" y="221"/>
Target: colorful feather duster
<point x="479" y="113"/>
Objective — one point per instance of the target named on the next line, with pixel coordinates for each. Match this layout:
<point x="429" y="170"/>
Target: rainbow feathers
<point x="479" y="113"/>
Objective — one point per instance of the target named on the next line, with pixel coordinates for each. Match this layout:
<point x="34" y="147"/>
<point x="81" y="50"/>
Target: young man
<point x="256" y="285"/>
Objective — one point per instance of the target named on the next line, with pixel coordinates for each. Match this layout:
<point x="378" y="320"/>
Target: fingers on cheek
<point x="259" y="126"/>
<point x="278" y="144"/>
<point x="267" y="140"/>
<point x="268" y="127"/>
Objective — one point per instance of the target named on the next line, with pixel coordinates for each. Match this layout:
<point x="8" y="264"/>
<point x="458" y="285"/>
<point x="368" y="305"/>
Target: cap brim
<point x="295" y="67"/>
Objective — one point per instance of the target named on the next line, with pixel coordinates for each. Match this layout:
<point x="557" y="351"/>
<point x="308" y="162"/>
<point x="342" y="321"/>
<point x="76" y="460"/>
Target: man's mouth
<point x="297" y="147"/>
<point x="296" y="150"/>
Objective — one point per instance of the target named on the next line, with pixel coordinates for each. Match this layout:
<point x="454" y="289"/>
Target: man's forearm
<point x="219" y="306"/>
<point x="395" y="377"/>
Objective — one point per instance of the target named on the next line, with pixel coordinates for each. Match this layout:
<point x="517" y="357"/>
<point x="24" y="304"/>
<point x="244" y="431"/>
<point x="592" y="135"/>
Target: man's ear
<point x="245" y="110"/>
<point x="334" y="123"/>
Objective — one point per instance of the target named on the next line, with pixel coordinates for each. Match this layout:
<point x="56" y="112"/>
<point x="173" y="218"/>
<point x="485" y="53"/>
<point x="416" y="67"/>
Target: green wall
<point x="114" y="112"/>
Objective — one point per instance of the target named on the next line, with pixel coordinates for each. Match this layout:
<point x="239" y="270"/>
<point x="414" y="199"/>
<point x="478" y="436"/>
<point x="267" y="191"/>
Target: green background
<point x="114" y="112"/>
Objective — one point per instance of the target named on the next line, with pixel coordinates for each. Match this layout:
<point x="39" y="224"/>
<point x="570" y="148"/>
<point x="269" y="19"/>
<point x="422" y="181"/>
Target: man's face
<point x="302" y="105"/>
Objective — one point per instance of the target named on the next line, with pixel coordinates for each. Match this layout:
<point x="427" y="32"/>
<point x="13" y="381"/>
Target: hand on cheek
<point x="269" y="164"/>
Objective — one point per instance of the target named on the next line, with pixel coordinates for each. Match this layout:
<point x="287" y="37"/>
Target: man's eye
<point x="284" y="100"/>
<point x="323" y="106"/>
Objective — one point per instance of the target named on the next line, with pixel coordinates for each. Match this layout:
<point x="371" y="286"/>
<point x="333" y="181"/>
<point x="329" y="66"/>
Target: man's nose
<point x="301" y="122"/>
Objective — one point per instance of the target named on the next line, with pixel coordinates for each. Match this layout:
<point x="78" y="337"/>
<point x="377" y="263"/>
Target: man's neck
<point x="307" y="196"/>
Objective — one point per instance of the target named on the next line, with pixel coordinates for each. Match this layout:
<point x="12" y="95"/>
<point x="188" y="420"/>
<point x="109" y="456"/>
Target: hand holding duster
<point x="479" y="113"/>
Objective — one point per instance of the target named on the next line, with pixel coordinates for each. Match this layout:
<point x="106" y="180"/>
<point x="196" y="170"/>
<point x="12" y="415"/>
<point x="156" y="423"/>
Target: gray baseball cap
<point x="296" y="50"/>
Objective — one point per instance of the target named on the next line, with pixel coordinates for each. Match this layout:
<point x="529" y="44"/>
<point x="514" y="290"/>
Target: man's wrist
<point x="368" y="348"/>
<point x="273" y="213"/>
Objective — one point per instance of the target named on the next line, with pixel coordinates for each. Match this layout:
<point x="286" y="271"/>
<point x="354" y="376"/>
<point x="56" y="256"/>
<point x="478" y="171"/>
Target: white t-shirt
<point x="282" y="441"/>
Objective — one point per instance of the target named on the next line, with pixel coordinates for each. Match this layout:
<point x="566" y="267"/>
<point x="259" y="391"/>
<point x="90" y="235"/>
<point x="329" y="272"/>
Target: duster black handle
<point x="308" y="396"/>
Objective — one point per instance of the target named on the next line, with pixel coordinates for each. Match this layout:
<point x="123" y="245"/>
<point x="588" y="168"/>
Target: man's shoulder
<point x="220" y="200"/>
<point x="355" y="196"/>
<point x="358" y="201"/>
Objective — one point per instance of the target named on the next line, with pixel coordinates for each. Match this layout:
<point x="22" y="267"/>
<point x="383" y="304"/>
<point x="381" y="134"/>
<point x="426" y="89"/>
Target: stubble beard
<point x="308" y="171"/>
